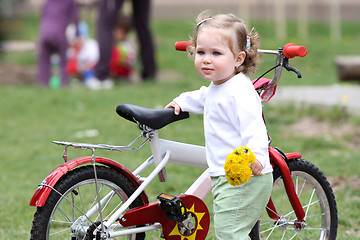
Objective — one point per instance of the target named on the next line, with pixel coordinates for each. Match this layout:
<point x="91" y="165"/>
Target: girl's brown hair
<point x="235" y="31"/>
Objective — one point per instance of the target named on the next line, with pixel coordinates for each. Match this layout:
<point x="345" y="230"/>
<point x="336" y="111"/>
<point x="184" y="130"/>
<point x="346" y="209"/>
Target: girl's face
<point x="214" y="59"/>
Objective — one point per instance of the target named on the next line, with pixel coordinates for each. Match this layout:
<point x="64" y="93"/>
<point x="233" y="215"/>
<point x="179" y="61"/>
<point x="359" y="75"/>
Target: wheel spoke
<point x="63" y="230"/>
<point x="64" y="215"/>
<point x="308" y="205"/>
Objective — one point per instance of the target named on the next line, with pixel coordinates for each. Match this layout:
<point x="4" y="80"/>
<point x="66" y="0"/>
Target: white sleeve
<point x="192" y="101"/>
<point x="251" y="125"/>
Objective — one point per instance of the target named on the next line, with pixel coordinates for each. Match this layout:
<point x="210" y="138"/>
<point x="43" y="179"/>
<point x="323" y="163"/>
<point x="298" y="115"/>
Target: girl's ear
<point x="240" y="58"/>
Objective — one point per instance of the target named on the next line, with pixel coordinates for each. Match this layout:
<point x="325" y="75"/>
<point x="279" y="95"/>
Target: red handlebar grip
<point x="291" y="50"/>
<point x="182" y="45"/>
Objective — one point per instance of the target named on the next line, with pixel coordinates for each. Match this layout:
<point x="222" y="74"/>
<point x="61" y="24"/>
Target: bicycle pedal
<point x="173" y="207"/>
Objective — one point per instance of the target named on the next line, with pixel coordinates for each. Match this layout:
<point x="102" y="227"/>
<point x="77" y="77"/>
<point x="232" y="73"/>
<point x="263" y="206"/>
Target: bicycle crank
<point x="181" y="217"/>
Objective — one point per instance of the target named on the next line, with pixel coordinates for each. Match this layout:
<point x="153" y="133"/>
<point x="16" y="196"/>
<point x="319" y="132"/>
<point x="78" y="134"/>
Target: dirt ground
<point x="310" y="127"/>
<point x="11" y="74"/>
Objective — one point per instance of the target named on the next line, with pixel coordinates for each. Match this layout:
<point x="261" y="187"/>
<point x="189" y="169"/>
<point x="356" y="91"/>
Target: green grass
<point x="31" y="117"/>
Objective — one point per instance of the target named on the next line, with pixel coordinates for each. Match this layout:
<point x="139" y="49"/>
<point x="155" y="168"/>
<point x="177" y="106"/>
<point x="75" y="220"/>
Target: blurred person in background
<point x="55" y="17"/>
<point x="83" y="53"/>
<point x="123" y="56"/>
<point x="107" y="17"/>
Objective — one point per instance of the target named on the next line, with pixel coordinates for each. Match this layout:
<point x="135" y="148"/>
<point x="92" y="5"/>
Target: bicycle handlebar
<point x="291" y="50"/>
<point x="182" y="45"/>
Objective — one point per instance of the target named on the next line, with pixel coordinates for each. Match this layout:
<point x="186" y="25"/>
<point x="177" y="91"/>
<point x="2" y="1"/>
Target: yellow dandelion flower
<point x="237" y="165"/>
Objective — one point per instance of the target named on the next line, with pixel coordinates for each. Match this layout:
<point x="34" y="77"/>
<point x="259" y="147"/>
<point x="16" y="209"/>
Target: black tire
<point x="77" y="188"/>
<point x="317" y="199"/>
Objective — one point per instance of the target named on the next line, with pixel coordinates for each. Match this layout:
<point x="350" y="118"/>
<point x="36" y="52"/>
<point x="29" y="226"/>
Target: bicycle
<point x="97" y="198"/>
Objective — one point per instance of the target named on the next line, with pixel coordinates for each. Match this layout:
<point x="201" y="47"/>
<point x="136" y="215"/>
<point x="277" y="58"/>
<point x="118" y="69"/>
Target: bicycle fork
<point x="280" y="162"/>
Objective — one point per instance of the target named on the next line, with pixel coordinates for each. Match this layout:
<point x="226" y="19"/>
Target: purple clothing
<point x="56" y="15"/>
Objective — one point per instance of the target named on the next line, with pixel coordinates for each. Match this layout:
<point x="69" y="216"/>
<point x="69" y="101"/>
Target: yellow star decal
<point x="192" y="236"/>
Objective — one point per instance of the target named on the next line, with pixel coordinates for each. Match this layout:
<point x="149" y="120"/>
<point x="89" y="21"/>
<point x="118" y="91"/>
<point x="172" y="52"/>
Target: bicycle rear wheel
<point x="63" y="215"/>
<point x="316" y="197"/>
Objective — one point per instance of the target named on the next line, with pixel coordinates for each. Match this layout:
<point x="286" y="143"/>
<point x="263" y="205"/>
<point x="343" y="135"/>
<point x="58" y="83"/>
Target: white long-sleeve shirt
<point x="232" y="118"/>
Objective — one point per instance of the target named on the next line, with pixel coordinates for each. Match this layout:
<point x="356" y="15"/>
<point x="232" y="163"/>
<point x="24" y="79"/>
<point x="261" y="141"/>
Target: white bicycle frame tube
<point x="191" y="155"/>
<point x="183" y="153"/>
<point x="138" y="191"/>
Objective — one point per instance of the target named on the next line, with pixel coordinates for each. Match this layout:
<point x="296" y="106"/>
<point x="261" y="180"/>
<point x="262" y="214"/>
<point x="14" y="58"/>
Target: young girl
<point x="224" y="53"/>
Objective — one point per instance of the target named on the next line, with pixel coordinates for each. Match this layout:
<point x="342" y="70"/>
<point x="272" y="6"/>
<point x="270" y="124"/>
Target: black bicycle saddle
<point x="153" y="118"/>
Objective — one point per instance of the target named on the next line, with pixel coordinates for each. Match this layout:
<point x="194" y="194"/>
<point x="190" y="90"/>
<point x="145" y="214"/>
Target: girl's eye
<point x="200" y="52"/>
<point x="216" y="53"/>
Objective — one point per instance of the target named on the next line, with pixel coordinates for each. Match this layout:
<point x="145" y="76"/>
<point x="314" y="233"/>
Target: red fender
<point x="293" y="155"/>
<point x="42" y="193"/>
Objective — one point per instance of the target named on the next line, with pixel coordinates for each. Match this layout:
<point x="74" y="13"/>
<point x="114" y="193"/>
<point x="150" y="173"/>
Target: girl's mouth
<point x="207" y="70"/>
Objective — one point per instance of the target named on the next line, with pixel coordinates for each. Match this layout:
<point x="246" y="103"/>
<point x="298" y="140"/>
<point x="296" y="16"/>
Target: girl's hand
<point x="256" y="168"/>
<point x="175" y="106"/>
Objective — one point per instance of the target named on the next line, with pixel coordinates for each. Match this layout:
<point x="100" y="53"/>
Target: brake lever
<point x="289" y="68"/>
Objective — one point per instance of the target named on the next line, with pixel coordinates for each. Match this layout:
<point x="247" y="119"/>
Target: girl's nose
<point x="206" y="59"/>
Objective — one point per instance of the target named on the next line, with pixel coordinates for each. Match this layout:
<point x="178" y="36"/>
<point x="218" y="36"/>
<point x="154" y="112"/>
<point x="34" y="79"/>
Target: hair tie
<point x="202" y="21"/>
<point x="248" y="43"/>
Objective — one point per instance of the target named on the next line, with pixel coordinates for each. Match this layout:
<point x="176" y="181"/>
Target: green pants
<point x="236" y="209"/>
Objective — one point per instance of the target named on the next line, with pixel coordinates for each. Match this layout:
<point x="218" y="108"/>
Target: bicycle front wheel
<point x="316" y="197"/>
<point x="63" y="215"/>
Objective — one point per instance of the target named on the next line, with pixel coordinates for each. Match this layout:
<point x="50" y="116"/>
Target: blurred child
<point x="83" y="53"/>
<point x="56" y="15"/>
<point x="123" y="53"/>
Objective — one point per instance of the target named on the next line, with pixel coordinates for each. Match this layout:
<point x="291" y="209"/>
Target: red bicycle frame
<point x="277" y="160"/>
